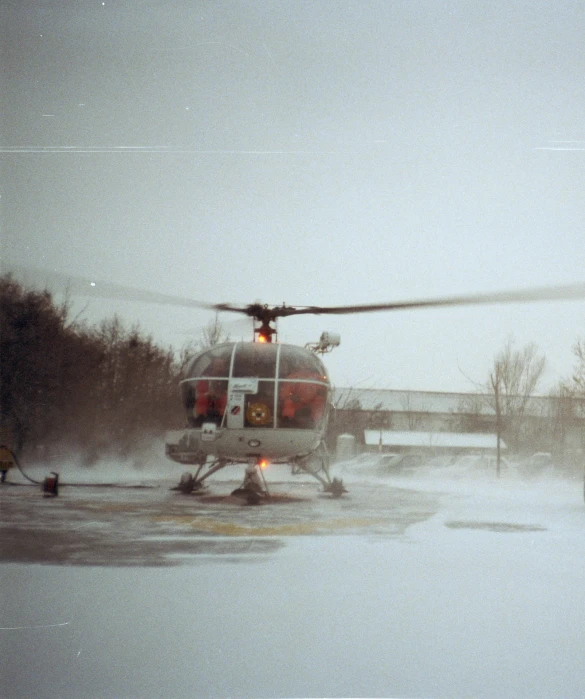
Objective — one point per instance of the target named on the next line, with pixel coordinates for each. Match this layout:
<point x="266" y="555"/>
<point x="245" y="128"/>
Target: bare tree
<point x="212" y="334"/>
<point x="568" y="408"/>
<point x="512" y="382"/>
<point x="579" y="386"/>
<point x="495" y="382"/>
<point x="563" y="415"/>
<point x="578" y="379"/>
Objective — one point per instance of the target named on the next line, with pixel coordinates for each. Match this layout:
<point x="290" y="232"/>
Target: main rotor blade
<point x="88" y="287"/>
<point x="84" y="286"/>
<point x="569" y="292"/>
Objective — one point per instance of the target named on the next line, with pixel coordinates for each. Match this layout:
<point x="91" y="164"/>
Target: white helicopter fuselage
<point x="186" y="446"/>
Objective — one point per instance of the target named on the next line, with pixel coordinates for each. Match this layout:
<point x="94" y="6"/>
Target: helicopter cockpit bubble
<point x="254" y="385"/>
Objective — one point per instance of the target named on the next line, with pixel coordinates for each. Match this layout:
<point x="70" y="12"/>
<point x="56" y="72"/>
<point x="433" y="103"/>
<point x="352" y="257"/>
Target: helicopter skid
<point x="302" y="449"/>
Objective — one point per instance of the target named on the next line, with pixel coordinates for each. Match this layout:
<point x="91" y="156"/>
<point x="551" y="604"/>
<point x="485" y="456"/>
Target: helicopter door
<point x="236" y="401"/>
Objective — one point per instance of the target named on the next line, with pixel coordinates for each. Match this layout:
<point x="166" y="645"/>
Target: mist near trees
<point x="65" y="386"/>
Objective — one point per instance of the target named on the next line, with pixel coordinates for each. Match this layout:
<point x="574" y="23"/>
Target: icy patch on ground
<point x="510" y="503"/>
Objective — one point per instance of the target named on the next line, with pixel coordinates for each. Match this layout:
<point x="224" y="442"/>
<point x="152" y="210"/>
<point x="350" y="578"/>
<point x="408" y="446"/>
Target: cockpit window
<point x="214" y="362"/>
<point x="255" y="360"/>
<point x="296" y="359"/>
<point x="236" y="385"/>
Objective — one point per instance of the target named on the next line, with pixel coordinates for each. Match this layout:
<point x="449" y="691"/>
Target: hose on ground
<point x="19" y="467"/>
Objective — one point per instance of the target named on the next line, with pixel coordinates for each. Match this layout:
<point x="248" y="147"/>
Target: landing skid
<point x="315" y="465"/>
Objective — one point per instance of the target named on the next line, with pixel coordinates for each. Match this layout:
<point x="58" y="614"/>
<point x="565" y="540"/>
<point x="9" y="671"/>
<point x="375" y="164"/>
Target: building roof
<point x="441" y="440"/>
<point x="426" y="401"/>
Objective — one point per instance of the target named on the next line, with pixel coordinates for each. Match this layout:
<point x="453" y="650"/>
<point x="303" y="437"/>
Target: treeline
<point x="64" y="385"/>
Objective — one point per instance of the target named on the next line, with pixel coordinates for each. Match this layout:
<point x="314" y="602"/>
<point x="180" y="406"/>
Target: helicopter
<point x="270" y="402"/>
<point x="261" y="401"/>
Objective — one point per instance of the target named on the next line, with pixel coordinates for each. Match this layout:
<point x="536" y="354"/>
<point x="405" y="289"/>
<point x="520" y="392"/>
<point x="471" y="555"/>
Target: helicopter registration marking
<point x="244" y="386"/>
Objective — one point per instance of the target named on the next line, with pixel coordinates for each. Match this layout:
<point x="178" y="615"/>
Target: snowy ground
<point x="439" y="582"/>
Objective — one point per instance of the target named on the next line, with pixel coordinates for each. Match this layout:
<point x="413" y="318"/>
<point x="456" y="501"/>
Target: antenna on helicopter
<point x="327" y="342"/>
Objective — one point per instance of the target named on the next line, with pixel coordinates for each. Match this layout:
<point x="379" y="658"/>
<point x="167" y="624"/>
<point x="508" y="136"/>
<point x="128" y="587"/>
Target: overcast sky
<point x="321" y="153"/>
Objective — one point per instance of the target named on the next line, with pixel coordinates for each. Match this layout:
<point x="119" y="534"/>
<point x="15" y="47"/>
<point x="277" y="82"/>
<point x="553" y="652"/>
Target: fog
<point x="146" y="464"/>
<point x="466" y="586"/>
<point x="323" y="153"/>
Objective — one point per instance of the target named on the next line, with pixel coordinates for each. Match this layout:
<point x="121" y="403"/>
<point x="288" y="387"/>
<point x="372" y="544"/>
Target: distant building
<point x="454" y="442"/>
<point x="400" y="420"/>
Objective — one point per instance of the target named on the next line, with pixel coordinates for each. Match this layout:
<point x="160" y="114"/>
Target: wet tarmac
<point x="153" y="525"/>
